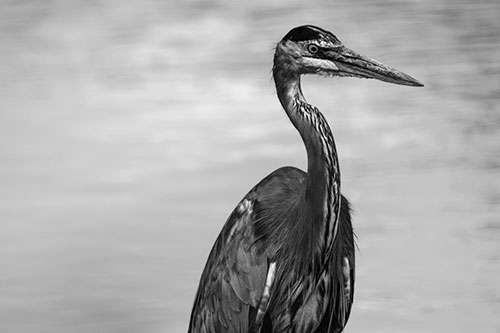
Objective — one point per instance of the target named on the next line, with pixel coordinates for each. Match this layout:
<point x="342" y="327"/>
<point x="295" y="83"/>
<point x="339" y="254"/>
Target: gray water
<point x="129" y="130"/>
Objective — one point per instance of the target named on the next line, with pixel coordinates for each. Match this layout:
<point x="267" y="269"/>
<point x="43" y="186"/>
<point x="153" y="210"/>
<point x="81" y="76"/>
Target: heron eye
<point x="312" y="48"/>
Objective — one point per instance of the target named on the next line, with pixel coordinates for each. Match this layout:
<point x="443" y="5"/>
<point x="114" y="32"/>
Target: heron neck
<point x="322" y="191"/>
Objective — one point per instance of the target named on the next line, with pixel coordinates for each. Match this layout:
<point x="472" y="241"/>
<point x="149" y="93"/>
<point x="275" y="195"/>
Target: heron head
<point x="311" y="50"/>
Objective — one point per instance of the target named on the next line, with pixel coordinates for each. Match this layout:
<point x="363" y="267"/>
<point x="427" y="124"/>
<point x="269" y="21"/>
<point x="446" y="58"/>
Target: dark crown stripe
<point x="302" y="33"/>
<point x="308" y="32"/>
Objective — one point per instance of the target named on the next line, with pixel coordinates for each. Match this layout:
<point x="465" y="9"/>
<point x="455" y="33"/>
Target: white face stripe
<point x="320" y="43"/>
<point x="320" y="63"/>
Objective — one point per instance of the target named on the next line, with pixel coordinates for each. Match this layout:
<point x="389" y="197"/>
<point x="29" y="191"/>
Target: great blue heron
<point x="284" y="260"/>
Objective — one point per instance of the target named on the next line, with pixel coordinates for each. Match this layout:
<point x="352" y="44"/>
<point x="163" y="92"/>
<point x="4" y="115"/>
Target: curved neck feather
<point x="322" y="190"/>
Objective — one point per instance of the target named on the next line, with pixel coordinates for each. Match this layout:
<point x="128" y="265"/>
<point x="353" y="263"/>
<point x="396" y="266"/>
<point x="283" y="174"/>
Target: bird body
<point x="284" y="261"/>
<point x="253" y="237"/>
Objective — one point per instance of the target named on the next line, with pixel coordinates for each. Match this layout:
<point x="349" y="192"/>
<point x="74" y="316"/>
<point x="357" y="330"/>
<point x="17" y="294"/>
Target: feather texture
<point x="234" y="278"/>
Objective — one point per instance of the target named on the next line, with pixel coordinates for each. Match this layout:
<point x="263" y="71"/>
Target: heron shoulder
<point x="285" y="183"/>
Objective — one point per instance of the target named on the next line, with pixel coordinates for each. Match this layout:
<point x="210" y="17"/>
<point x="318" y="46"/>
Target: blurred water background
<point x="130" y="129"/>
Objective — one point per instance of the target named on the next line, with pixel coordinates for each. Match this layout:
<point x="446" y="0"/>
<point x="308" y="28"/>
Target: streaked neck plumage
<point x="322" y="191"/>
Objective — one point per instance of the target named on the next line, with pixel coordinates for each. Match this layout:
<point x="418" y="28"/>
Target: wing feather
<point x="233" y="280"/>
<point x="234" y="276"/>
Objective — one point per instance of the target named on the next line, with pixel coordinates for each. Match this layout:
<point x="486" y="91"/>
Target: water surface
<point x="130" y="130"/>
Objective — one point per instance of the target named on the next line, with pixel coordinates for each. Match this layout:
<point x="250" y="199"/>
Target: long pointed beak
<point x="351" y="63"/>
